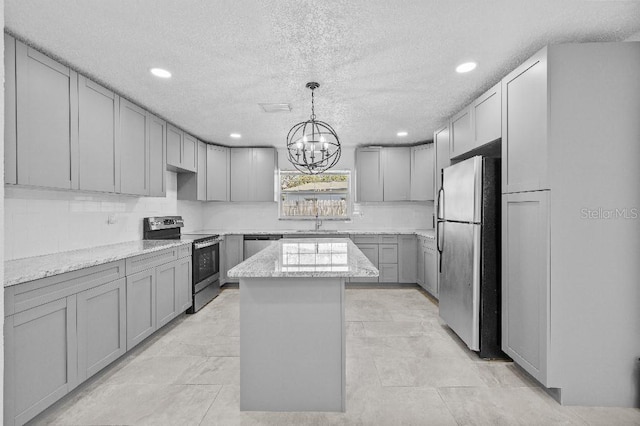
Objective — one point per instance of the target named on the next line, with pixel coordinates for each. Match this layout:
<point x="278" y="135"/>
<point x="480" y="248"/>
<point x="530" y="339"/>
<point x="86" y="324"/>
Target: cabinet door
<point x="422" y="173"/>
<point x="371" y="251"/>
<point x="241" y="175"/>
<point x="157" y="156"/>
<point x="201" y="174"/>
<point x="369" y="176"/>
<point x="174" y="146"/>
<point x="388" y="273"/>
<point x="407" y="257"/>
<point x="98" y="156"/>
<point x="487" y="117"/>
<point x="217" y="173"/>
<point x="526" y="280"/>
<point x="420" y="266"/>
<point x="461" y="135"/>
<point x="234" y="247"/>
<point x="189" y="153"/>
<point x="263" y="177"/>
<point x="40" y="358"/>
<point x="166" y="306"/>
<point x="388" y="253"/>
<point x="101" y="327"/>
<point x="134" y="149"/>
<point x="524" y="126"/>
<point x="396" y="174"/>
<point x="441" y="142"/>
<point x="10" y="134"/>
<point x="141" y="306"/>
<point x="183" y="284"/>
<point x="47" y="120"/>
<point x="430" y="277"/>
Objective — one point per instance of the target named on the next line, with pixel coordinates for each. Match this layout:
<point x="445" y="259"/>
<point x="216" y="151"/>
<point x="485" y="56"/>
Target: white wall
<point x="39" y="221"/>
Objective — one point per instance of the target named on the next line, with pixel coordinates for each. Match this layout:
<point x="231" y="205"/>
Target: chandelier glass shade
<point x="313" y="146"/>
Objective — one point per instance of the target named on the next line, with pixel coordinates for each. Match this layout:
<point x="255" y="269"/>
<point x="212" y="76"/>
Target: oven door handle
<point x="205" y="244"/>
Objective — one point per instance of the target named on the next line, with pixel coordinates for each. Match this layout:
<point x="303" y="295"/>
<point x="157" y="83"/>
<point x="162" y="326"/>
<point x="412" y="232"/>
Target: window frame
<point x="348" y="192"/>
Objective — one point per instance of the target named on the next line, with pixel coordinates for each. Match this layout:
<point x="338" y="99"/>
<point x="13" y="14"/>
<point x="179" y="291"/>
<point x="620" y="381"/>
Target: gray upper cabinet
<point x="442" y="158"/>
<point x="396" y="174"/>
<point x="134" y="149"/>
<point x="189" y="153"/>
<point x="422" y="174"/>
<point x="487" y="116"/>
<point x="98" y="156"/>
<point x="182" y="150"/>
<point x="47" y="120"/>
<point x="369" y="175"/>
<point x="193" y="186"/>
<point x="525" y="138"/>
<point x="174" y="147"/>
<point x="252" y="174"/>
<point x="157" y="133"/>
<point x="101" y="313"/>
<point x="217" y="173"/>
<point x="10" y="136"/>
<point x="461" y="137"/>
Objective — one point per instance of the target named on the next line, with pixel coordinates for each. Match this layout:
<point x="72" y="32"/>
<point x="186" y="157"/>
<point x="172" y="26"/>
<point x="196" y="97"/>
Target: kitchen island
<point x="292" y="323"/>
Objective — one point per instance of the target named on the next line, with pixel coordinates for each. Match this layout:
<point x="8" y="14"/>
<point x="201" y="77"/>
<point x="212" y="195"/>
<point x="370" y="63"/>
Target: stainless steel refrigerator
<point x="468" y="236"/>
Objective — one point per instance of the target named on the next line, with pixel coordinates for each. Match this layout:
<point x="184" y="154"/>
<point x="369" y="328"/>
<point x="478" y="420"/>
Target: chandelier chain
<point x="313" y="111"/>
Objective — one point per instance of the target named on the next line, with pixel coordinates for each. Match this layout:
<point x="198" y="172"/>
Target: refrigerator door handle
<point x="439" y="246"/>
<point x="440" y="212"/>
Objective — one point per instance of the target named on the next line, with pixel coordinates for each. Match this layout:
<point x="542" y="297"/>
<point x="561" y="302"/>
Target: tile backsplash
<point x="40" y="221"/>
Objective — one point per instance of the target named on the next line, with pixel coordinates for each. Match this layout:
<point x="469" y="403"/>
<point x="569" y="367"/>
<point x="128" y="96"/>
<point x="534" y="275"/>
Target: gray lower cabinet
<point x="430" y="268"/>
<point x="40" y="358"/>
<point x="420" y="259"/>
<point x="172" y="290"/>
<point x="141" y="306"/>
<point x="183" y="286"/>
<point x="101" y="322"/>
<point x="407" y="257"/>
<point x="233" y="253"/>
<point x="371" y="251"/>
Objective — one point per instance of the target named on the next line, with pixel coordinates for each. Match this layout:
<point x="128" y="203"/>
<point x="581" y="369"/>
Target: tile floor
<point x="404" y="367"/>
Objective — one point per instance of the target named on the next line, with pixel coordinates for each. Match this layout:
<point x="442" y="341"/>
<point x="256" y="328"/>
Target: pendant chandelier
<point x="313" y="146"/>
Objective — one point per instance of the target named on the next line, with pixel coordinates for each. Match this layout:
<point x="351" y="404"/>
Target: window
<point x="324" y="195"/>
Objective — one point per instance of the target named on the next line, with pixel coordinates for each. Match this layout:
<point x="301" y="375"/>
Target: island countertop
<point x="307" y="257"/>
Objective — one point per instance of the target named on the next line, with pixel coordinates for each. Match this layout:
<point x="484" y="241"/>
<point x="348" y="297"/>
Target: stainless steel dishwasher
<point x="255" y="243"/>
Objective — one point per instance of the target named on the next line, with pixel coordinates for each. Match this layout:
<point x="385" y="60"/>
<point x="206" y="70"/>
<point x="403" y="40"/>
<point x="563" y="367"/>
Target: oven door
<point x="206" y="261"/>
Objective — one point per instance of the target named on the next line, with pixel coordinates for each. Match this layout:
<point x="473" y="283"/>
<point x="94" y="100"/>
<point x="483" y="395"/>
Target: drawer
<point x="184" y="251"/>
<point x="28" y="295"/>
<point x="150" y="260"/>
<point x="388" y="239"/>
<point x="365" y="239"/>
<point x="388" y="253"/>
<point x="388" y="273"/>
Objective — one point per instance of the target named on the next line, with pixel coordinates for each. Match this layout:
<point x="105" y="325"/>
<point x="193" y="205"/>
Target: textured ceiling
<point x="383" y="65"/>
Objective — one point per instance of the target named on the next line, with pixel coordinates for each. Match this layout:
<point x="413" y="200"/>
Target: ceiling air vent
<point x="275" y="107"/>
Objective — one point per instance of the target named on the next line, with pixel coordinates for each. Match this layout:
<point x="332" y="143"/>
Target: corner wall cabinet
<point x="63" y="329"/>
<point x="252" y="174"/>
<point x="422" y="163"/>
<point x="181" y="150"/>
<point x="193" y="186"/>
<point x="218" y="160"/>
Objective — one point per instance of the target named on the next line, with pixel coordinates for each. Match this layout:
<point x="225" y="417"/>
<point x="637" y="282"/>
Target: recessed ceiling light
<point x="402" y="134"/>
<point x="235" y="135"/>
<point x="466" y="67"/>
<point x="159" y="72"/>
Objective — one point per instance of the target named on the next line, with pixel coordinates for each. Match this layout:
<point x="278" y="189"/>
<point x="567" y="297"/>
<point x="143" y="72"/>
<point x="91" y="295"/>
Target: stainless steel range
<point x="205" y="256"/>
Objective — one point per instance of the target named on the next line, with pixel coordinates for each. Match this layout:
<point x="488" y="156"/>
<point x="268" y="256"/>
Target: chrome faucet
<point x="318" y="222"/>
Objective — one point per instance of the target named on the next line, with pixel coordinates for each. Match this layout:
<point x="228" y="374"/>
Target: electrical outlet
<point x="112" y="219"/>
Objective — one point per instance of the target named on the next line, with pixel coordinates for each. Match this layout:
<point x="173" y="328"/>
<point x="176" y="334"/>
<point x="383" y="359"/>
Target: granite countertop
<point x="32" y="268"/>
<point x="427" y="233"/>
<point x="307" y="258"/>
